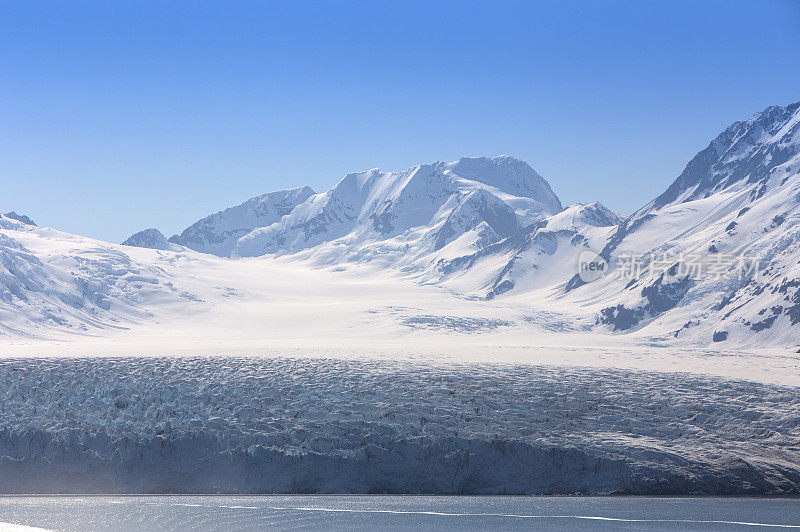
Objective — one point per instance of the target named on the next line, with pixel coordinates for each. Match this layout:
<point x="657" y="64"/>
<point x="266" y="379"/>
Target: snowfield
<point x="84" y="297"/>
<point x="220" y="424"/>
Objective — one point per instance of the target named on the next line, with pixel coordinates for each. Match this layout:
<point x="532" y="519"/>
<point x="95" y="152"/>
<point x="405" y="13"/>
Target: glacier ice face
<point x="255" y="425"/>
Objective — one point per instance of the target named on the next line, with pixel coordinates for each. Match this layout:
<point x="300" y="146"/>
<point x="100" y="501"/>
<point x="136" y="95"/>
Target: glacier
<point x="421" y="331"/>
<point x="278" y="425"/>
<point x="489" y="227"/>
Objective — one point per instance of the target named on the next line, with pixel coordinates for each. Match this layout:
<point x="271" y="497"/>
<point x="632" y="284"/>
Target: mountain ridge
<point x="489" y="227"/>
<point x="738" y="199"/>
<point x="217" y="233"/>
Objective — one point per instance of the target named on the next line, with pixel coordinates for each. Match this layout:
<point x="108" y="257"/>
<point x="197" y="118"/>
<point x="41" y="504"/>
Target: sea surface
<point x="391" y="512"/>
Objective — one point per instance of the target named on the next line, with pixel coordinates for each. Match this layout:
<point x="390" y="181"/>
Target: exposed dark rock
<point x="20" y="218"/>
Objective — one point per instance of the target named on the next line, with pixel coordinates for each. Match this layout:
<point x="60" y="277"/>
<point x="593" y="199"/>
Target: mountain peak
<point x="20" y="218"/>
<point x="217" y="233"/>
<point x="510" y="175"/>
<point x="148" y="238"/>
<point x="374" y="209"/>
<point x="747" y="152"/>
<point x="579" y="215"/>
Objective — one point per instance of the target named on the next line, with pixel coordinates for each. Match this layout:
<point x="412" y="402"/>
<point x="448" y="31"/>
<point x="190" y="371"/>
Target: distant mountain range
<point x="432" y="221"/>
<point x="715" y="258"/>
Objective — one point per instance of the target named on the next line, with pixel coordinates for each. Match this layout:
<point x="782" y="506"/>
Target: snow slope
<point x="739" y="199"/>
<point x="52" y="281"/>
<point x="78" y="296"/>
<point x="217" y="234"/>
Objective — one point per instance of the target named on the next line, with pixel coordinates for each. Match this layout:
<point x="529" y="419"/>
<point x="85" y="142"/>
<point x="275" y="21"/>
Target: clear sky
<point x="116" y="116"/>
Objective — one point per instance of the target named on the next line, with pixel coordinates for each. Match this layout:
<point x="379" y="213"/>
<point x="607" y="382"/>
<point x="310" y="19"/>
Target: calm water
<point x="397" y="513"/>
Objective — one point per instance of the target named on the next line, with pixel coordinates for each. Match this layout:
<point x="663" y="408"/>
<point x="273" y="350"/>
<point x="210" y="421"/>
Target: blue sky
<point x="115" y="116"/>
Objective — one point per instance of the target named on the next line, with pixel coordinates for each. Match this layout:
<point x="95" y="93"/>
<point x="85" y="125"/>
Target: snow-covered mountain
<point x="718" y="252"/>
<point x="446" y="295"/>
<point x="19" y="217"/>
<point x="218" y="233"/>
<point x="402" y="217"/>
<point x="423" y="221"/>
<point x="432" y="221"/>
<point x="735" y="208"/>
<point x="51" y="280"/>
<point x="149" y="238"/>
<point x="413" y="221"/>
<point x="539" y="256"/>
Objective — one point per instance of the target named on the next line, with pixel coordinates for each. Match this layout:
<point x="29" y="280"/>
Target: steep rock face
<point x="19" y="217"/>
<point x="148" y="238"/>
<point x="476" y="207"/>
<point x="217" y="234"/>
<point x="733" y="215"/>
<point x="748" y="152"/>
